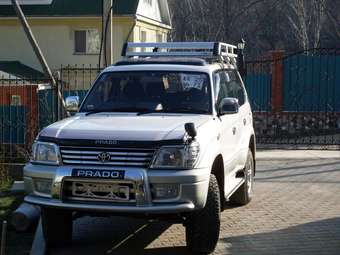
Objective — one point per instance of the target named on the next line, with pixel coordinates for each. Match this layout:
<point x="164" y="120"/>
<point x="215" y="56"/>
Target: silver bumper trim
<point x="154" y="209"/>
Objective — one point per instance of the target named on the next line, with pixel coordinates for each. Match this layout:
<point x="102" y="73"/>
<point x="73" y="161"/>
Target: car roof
<point x="168" y="64"/>
<point x="162" y="60"/>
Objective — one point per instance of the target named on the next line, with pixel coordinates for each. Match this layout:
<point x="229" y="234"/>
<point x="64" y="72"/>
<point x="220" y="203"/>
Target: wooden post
<point x="36" y="48"/>
<point x="107" y="33"/>
<point x="277" y="80"/>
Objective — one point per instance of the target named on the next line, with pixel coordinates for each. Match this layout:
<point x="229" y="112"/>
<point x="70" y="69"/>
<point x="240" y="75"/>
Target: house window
<point x="87" y="41"/>
<point x="143" y="38"/>
<point x="16" y="100"/>
<point x="148" y="2"/>
<point x="159" y="37"/>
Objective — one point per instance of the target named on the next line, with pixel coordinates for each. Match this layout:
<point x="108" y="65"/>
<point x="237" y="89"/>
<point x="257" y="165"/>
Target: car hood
<point x="151" y="127"/>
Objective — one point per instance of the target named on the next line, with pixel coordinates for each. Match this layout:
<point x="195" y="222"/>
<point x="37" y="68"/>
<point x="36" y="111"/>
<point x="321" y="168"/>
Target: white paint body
<point x="228" y="135"/>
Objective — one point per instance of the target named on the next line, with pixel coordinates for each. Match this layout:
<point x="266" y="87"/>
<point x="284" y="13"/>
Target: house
<point x="69" y="32"/>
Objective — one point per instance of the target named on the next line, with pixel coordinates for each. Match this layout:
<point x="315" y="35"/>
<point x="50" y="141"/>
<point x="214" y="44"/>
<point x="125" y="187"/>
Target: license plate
<point x="96" y="173"/>
<point x="104" y="191"/>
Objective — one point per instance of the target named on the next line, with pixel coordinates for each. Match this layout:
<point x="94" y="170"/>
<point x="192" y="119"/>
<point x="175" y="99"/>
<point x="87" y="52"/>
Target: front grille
<point x="118" y="156"/>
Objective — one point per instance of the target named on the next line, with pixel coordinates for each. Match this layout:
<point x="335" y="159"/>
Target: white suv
<point x="164" y="133"/>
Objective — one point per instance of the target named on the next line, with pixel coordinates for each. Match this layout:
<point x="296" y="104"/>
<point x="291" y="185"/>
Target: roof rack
<point x="210" y="50"/>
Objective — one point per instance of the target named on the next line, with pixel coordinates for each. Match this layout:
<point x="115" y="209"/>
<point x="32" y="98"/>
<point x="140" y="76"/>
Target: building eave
<point x="152" y="22"/>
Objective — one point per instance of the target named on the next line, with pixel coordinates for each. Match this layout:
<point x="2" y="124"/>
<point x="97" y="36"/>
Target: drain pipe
<point x="26" y="217"/>
<point x="37" y="50"/>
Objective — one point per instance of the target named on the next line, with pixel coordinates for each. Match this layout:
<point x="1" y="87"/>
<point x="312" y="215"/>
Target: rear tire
<point x="57" y="226"/>
<point x="203" y="226"/>
<point x="244" y="194"/>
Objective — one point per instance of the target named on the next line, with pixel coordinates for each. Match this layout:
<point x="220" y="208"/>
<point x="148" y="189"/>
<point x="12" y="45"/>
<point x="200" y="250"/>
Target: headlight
<point x="182" y="157"/>
<point x="45" y="153"/>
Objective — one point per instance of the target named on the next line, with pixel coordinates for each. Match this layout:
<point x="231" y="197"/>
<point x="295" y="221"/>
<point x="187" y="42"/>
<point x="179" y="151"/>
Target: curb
<point x="297" y="155"/>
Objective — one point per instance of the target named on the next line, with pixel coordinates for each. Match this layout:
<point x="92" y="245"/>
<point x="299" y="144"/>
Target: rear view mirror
<point x="72" y="103"/>
<point x="228" y="105"/>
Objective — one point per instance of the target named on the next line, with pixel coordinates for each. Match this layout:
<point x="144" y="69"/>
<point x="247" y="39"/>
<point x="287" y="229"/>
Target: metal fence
<point x="75" y="81"/>
<point x="29" y="104"/>
<point x="19" y="118"/>
<point x="296" y="98"/>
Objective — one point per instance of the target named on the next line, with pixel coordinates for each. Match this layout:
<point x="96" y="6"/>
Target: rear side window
<point x="228" y="84"/>
<point x="235" y="87"/>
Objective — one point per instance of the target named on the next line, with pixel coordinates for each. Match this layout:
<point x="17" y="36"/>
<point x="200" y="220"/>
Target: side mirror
<point x="72" y="103"/>
<point x="228" y="105"/>
<point x="190" y="129"/>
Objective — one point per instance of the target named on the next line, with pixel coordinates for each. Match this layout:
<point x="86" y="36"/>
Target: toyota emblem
<point x="104" y="157"/>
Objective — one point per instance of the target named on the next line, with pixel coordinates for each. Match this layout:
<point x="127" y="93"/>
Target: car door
<point x="236" y="90"/>
<point x="227" y="123"/>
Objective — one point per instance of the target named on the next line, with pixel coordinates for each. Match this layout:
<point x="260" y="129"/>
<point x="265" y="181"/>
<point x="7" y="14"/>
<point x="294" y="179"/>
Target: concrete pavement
<point x="295" y="210"/>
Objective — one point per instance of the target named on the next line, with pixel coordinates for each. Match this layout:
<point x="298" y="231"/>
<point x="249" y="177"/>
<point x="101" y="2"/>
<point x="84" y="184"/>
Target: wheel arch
<point x="218" y="171"/>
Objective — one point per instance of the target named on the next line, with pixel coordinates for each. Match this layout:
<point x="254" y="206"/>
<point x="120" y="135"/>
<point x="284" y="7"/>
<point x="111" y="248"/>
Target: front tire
<point x="244" y="194"/>
<point x="203" y="226"/>
<point x="57" y="226"/>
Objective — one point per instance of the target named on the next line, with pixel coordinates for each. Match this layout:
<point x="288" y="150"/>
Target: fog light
<point x="43" y="186"/>
<point x="165" y="191"/>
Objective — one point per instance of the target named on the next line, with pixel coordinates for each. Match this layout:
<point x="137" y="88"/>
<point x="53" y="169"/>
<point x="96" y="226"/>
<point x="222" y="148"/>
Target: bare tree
<point x="305" y="19"/>
<point x="265" y="24"/>
<point x="332" y="30"/>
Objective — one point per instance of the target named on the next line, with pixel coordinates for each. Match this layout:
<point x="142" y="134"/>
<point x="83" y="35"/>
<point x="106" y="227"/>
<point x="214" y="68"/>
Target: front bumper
<point x="193" y="187"/>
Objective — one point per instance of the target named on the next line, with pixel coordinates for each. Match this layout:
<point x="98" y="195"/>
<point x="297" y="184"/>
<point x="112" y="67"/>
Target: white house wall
<point x="152" y="12"/>
<point x="55" y="41"/>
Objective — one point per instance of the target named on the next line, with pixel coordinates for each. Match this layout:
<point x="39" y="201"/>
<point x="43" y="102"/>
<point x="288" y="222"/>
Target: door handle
<point x="244" y="122"/>
<point x="234" y="130"/>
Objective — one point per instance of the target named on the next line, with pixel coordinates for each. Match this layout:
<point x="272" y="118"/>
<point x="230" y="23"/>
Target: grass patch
<point x="8" y="205"/>
<point x="8" y="202"/>
<point x="6" y="186"/>
<point x="5" y="180"/>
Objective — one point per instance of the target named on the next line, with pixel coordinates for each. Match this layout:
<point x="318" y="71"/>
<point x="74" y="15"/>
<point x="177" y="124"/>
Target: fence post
<point x="32" y="114"/>
<point x="3" y="238"/>
<point x="277" y="80"/>
<point x="57" y="77"/>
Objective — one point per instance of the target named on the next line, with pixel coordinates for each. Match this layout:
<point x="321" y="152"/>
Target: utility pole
<point x="107" y="33"/>
<point x="37" y="50"/>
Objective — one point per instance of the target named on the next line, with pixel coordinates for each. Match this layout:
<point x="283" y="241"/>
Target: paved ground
<point x="296" y="210"/>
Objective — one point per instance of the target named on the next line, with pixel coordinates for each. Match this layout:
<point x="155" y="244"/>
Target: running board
<point x="236" y="183"/>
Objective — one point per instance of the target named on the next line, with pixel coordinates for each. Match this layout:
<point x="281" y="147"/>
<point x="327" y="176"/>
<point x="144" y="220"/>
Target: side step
<point x="233" y="183"/>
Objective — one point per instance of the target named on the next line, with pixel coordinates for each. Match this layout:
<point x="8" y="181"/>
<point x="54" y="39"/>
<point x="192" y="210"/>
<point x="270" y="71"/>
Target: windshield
<point x="150" y="91"/>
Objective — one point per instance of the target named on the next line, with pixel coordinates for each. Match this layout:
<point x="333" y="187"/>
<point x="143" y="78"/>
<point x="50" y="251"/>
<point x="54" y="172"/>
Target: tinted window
<point x="220" y="87"/>
<point x="228" y="84"/>
<point x="235" y="87"/>
<point x="172" y="92"/>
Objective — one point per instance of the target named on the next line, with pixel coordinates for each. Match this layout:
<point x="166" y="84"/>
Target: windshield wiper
<point x="148" y="112"/>
<point x="186" y="110"/>
<point x="123" y="109"/>
<point x="97" y="111"/>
